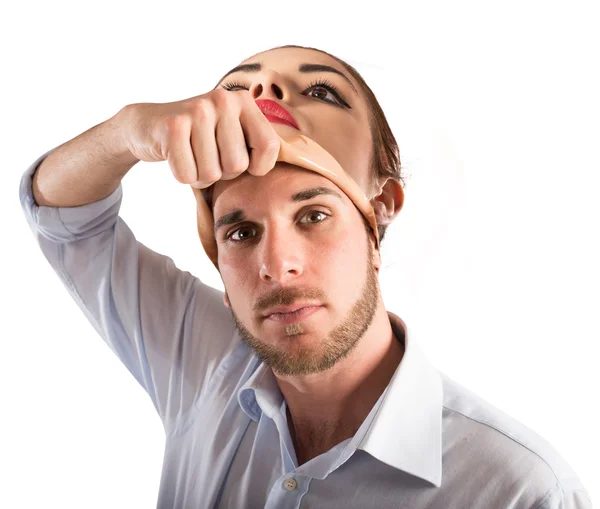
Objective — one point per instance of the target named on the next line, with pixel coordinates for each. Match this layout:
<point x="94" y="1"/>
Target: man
<point x="333" y="406"/>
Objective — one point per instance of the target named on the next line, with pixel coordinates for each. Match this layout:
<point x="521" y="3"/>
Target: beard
<point x="297" y="357"/>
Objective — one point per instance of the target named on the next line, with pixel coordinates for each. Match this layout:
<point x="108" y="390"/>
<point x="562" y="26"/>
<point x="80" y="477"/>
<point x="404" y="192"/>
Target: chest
<point x="317" y="441"/>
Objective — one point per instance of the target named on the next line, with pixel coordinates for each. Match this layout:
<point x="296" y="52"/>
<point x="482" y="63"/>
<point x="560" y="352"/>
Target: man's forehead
<point x="283" y="178"/>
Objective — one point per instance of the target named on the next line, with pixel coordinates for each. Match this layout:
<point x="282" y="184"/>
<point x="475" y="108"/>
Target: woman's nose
<point x="269" y="86"/>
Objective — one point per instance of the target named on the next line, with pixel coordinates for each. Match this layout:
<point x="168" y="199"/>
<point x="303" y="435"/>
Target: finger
<point x="263" y="140"/>
<point x="204" y="148"/>
<point x="179" y="153"/>
<point x="231" y="144"/>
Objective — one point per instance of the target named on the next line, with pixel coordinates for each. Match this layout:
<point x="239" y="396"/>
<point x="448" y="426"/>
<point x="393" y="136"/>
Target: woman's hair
<point x="385" y="154"/>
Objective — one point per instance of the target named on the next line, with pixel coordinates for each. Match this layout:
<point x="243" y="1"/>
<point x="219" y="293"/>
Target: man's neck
<point x="315" y="430"/>
<point x="318" y="440"/>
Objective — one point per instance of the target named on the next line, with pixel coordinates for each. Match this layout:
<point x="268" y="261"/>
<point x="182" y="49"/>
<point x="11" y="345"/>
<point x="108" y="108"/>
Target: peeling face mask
<point x="300" y="151"/>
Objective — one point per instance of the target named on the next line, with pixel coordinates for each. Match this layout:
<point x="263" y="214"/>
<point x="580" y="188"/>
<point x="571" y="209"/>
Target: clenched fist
<point x="210" y="137"/>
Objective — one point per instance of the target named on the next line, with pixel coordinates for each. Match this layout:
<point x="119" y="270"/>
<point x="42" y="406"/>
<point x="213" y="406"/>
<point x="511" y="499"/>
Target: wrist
<point x="118" y="141"/>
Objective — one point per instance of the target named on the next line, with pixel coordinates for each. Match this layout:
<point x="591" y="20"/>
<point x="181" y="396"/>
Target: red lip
<point x="269" y="107"/>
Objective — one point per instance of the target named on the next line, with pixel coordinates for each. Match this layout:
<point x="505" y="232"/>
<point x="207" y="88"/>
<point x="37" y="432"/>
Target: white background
<point x="495" y="254"/>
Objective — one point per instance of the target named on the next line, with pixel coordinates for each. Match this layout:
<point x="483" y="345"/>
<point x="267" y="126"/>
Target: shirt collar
<point x="404" y="432"/>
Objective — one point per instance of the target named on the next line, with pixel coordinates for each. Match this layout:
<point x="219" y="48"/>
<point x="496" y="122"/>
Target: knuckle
<point x="174" y="125"/>
<point x="221" y="97"/>
<point x="182" y="179"/>
<point x="239" y="164"/>
<point x="269" y="145"/>
<point x="210" y="175"/>
<point x="201" y="109"/>
<point x="178" y="173"/>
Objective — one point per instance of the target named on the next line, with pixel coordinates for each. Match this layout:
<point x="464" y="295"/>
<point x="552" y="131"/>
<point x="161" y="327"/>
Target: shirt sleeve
<point x="564" y="496"/>
<point x="169" y="329"/>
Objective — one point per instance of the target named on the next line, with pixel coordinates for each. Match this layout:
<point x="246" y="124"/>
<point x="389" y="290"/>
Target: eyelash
<point x="230" y="234"/>
<point x="327" y="85"/>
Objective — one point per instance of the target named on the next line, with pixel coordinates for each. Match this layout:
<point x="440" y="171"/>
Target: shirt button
<point x="290" y="484"/>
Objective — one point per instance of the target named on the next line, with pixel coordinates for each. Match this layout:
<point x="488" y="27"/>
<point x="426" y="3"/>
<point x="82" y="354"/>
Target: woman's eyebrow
<point x="305" y="194"/>
<point x="305" y="68"/>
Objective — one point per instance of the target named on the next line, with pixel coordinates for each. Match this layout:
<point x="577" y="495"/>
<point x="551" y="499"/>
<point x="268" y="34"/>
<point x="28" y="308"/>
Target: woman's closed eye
<point x="229" y="236"/>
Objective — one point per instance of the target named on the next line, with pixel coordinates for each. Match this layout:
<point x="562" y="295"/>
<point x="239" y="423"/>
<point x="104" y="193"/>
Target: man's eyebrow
<point x="305" y="194"/>
<point x="305" y="68"/>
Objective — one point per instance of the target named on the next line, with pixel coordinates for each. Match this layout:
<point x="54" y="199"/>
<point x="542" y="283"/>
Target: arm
<point x="85" y="169"/>
<point x="167" y="327"/>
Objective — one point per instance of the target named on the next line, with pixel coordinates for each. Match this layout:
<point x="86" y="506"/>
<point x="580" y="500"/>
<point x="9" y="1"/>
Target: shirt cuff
<point x="61" y="224"/>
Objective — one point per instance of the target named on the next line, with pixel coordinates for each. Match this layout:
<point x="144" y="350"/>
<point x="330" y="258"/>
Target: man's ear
<point x="226" y="300"/>
<point x="388" y="203"/>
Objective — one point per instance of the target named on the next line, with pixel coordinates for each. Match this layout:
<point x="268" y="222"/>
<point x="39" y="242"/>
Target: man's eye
<point x="230" y="235"/>
<point x="318" y="212"/>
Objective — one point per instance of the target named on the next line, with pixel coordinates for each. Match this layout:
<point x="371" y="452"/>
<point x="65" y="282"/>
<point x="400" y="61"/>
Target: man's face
<point x="286" y="250"/>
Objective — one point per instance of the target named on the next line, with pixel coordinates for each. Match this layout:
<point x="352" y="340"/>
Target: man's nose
<point x="281" y="257"/>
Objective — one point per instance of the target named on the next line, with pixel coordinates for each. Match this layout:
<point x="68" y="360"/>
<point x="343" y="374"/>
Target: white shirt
<point x="427" y="443"/>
